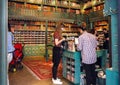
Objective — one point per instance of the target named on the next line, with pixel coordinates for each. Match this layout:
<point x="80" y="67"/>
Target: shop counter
<point x="72" y="64"/>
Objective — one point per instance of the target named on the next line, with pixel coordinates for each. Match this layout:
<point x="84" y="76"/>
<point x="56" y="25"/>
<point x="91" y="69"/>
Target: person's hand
<point x="107" y="38"/>
<point x="63" y="39"/>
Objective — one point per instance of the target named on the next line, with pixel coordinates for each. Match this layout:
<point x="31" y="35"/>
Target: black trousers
<point x="90" y="73"/>
<point x="57" y="54"/>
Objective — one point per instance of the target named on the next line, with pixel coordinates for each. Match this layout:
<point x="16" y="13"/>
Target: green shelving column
<point x="46" y="40"/>
<point x="110" y="9"/>
<point x="71" y="63"/>
<point x="119" y="39"/>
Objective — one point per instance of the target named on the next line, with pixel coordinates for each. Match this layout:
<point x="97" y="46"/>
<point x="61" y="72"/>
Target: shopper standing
<point x="106" y="40"/>
<point x="87" y="45"/>
<point x="106" y="46"/>
<point x="57" y="52"/>
<point x="10" y="47"/>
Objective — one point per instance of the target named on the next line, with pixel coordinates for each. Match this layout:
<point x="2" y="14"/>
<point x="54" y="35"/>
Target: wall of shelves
<point x="29" y="36"/>
<point x="29" y="19"/>
<point x="29" y="32"/>
<point x="93" y="6"/>
<point x="36" y="36"/>
<point x="99" y="25"/>
<point x="47" y="5"/>
<point x="33" y="34"/>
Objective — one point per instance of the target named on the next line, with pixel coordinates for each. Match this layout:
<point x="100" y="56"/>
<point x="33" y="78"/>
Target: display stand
<point x="72" y="65"/>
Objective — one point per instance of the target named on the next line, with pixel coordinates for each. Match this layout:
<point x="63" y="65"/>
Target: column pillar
<point x="46" y="40"/>
<point x="110" y="9"/>
<point x="3" y="41"/>
<point x="119" y="38"/>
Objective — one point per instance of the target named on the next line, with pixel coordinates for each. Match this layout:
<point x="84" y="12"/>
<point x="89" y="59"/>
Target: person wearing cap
<point x="87" y="44"/>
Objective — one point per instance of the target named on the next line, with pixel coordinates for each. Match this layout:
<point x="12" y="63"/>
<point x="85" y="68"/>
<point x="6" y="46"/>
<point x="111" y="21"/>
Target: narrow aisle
<point x="24" y="77"/>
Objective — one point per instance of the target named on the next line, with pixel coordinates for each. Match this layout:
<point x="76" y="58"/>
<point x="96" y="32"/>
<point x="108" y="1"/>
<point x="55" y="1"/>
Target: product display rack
<point x="29" y="36"/>
<point x="93" y="6"/>
<point x="99" y="25"/>
<point x="98" y="22"/>
<point x="48" y="6"/>
<point x="71" y="63"/>
<point x="35" y="21"/>
<point x="33" y="32"/>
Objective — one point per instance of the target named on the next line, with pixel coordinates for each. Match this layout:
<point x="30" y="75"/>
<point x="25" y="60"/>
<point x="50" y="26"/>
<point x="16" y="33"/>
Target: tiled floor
<point x="24" y="77"/>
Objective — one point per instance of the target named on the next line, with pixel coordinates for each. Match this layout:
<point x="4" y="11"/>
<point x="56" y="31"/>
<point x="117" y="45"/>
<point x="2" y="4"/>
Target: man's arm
<point x="79" y="45"/>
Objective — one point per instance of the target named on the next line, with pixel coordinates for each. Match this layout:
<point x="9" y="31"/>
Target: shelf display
<point x="93" y="6"/>
<point x="47" y="5"/>
<point x="72" y="65"/>
<point x="29" y="19"/>
<point x="98" y="26"/>
<point x="33" y="32"/>
<point x="29" y="37"/>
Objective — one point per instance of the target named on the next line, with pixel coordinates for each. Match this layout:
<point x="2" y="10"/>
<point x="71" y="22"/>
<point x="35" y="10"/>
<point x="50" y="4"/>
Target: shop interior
<point x="35" y="21"/>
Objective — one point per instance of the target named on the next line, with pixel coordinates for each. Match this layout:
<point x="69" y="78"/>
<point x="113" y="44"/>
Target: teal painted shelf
<point x="72" y="65"/>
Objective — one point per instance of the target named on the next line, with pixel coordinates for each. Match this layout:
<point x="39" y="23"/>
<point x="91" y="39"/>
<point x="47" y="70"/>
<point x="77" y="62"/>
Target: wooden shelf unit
<point x="29" y="20"/>
<point x="47" y="5"/>
<point x="92" y="8"/>
<point x="99" y="25"/>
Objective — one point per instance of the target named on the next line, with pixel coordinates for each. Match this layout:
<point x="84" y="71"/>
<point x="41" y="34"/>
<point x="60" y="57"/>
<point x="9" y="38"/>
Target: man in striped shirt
<point x="87" y="44"/>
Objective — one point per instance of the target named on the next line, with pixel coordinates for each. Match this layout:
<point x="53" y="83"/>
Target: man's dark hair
<point x="9" y="27"/>
<point x="82" y="28"/>
<point x="104" y="29"/>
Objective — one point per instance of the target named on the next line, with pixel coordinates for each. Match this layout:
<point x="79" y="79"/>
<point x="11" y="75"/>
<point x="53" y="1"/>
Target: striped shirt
<point x="87" y="44"/>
